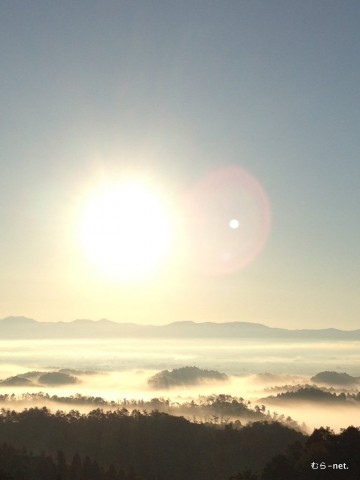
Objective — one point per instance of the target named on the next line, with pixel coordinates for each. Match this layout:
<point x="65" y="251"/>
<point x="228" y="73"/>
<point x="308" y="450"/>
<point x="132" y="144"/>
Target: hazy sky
<point x="173" y="91"/>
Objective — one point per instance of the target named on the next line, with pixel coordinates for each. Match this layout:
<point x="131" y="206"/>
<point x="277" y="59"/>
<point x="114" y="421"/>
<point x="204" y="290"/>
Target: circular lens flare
<point x="228" y="221"/>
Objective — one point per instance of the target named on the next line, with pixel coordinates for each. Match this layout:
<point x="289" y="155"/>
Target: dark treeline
<point x="324" y="456"/>
<point x="155" y="445"/>
<point x="211" y="408"/>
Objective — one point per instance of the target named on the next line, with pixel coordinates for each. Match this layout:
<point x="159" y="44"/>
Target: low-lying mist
<point x="118" y="371"/>
<point x="130" y="389"/>
<point x="234" y="356"/>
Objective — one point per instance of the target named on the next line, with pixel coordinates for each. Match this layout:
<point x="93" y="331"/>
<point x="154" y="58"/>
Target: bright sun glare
<point x="125" y="230"/>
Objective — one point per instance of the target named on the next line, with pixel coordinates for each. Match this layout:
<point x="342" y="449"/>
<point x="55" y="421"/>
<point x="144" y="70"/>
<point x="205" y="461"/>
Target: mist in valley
<point x="115" y="374"/>
<point x="234" y="356"/>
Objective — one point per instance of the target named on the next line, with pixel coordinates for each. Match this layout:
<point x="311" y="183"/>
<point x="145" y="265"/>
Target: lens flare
<point x="228" y="221"/>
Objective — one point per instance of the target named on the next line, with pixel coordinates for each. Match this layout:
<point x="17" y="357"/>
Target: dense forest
<point x="20" y="464"/>
<point x="324" y="456"/>
<point x="118" y="445"/>
<point x="152" y="446"/>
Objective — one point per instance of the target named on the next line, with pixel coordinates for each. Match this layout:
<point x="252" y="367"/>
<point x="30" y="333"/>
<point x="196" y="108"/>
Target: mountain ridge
<point x="24" y="327"/>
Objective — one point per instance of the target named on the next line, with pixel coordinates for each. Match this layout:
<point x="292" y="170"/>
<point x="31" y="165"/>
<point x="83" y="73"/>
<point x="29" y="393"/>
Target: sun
<point x="125" y="230"/>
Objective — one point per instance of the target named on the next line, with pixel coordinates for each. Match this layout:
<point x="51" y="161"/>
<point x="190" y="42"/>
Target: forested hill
<point x="154" y="445"/>
<point x="185" y="376"/>
<point x="22" y="327"/>
<point x="324" y="456"/>
<point x="21" y="464"/>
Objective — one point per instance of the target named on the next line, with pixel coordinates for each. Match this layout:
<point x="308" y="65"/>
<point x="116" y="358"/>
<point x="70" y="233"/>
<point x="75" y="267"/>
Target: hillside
<point x="185" y="376"/>
<point x="154" y="445"/>
<point x="335" y="378"/>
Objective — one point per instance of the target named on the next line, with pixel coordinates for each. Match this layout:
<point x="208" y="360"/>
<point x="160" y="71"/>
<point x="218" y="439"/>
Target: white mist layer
<point x="124" y="366"/>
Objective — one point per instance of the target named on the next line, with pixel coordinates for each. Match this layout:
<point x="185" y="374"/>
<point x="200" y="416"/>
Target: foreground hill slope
<point x="324" y="455"/>
<point x="154" y="445"/>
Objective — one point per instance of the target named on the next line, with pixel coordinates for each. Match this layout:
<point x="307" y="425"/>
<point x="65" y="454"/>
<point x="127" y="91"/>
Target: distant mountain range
<point x="27" y="328"/>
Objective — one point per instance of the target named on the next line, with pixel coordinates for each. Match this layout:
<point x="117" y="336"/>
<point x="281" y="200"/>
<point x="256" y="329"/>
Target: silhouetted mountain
<point x="185" y="376"/>
<point x="308" y="394"/>
<point x="21" y="327"/>
<point x="16" y="381"/>
<point x="18" y="321"/>
<point x="334" y="378"/>
<point x="36" y="378"/>
<point x="57" y="378"/>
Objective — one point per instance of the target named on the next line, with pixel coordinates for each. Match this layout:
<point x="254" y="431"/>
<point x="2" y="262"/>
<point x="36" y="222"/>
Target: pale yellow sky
<point x="178" y="98"/>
